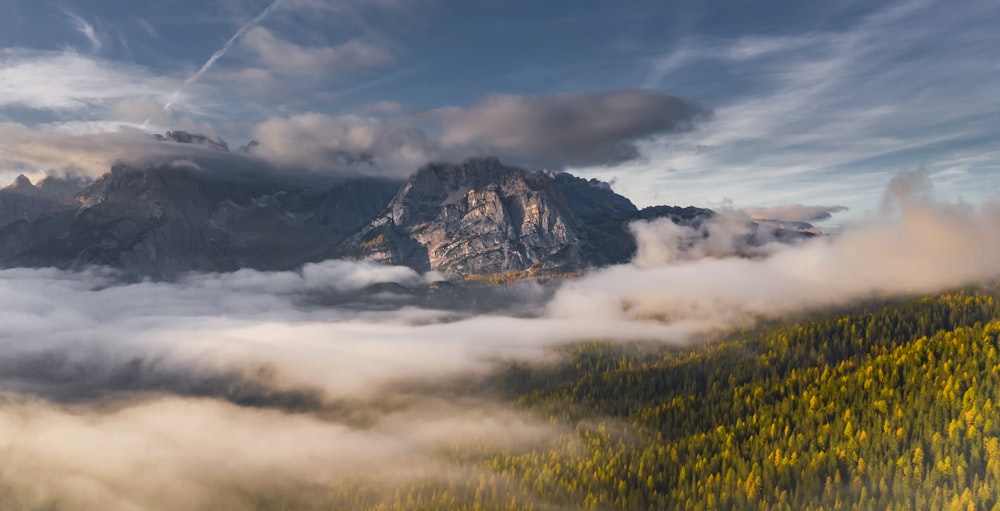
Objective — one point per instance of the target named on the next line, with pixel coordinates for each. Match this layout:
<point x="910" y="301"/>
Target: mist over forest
<point x="436" y="255"/>
<point x="252" y="389"/>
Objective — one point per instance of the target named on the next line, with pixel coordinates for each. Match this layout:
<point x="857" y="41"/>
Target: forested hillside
<point x="888" y="407"/>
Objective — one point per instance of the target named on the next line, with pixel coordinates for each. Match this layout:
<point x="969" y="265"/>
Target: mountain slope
<point x="23" y="200"/>
<point x="475" y="218"/>
<point x="161" y="221"/>
<point x="483" y="217"/>
<point x="892" y="406"/>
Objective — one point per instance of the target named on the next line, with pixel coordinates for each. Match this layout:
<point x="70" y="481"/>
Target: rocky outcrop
<point x="483" y="217"/>
<point x="162" y="221"/>
<point x="23" y="201"/>
<point x="475" y="218"/>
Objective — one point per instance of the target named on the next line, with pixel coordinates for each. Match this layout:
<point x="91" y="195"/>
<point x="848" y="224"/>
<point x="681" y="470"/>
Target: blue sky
<point x="678" y="102"/>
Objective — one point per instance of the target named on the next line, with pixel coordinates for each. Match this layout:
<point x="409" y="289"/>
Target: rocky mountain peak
<point x="57" y="188"/>
<point x="22" y="200"/>
<point x="440" y="184"/>
<point x="470" y="173"/>
<point x="105" y="186"/>
<point x="593" y="197"/>
<point x="477" y="217"/>
<point x="161" y="221"/>
<point x="21" y="184"/>
<point x="481" y="216"/>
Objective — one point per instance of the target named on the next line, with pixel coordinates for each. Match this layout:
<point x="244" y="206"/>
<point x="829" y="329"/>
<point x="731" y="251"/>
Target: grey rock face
<point x="482" y="217"/>
<point x="479" y="217"/>
<point x="163" y="221"/>
<point x="22" y="200"/>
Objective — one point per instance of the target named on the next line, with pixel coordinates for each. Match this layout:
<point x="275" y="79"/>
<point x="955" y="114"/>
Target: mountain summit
<point x="161" y="221"/>
<point x="483" y="217"/>
<point x="478" y="217"/>
<point x="23" y="200"/>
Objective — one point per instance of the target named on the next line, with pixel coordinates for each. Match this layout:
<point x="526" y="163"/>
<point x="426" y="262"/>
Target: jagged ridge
<point x="478" y="217"/>
<point x="482" y="217"/>
<point x="162" y="221"/>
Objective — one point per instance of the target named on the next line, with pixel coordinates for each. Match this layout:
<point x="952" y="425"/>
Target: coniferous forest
<point x="887" y="406"/>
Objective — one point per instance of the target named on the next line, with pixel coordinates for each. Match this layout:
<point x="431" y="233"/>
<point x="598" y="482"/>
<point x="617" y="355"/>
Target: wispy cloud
<point x="286" y="57"/>
<point x="148" y="27"/>
<point x="221" y="52"/>
<point x="85" y="28"/>
<point x="68" y="81"/>
<point x="827" y="113"/>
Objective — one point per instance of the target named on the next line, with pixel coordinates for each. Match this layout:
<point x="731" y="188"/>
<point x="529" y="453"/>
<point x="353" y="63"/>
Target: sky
<point x="767" y="104"/>
<point x="200" y="393"/>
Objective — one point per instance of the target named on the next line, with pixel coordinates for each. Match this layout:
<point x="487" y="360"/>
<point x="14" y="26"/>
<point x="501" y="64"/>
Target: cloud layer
<point x="794" y="212"/>
<point x="914" y="246"/>
<point x="538" y="131"/>
<point x="567" y="129"/>
<point x="290" y="59"/>
<point x="827" y="111"/>
<point x="225" y="390"/>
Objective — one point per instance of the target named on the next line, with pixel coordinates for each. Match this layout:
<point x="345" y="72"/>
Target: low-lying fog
<point x="197" y="393"/>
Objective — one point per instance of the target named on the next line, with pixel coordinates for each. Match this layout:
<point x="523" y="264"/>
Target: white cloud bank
<point x="204" y="391"/>
<point x="915" y="245"/>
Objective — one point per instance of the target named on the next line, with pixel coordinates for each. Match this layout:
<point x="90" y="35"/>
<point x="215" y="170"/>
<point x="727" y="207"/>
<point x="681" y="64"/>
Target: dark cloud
<point x="346" y="143"/>
<point x="575" y="128"/>
<point x="536" y="131"/>
<point x="32" y="151"/>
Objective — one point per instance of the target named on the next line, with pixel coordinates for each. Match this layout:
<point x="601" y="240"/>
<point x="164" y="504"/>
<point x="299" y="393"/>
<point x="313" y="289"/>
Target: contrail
<point x="221" y="51"/>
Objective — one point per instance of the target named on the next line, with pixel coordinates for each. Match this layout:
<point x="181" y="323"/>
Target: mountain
<point x="483" y="217"/>
<point x="22" y="200"/>
<point x="475" y="218"/>
<point x="161" y="221"/>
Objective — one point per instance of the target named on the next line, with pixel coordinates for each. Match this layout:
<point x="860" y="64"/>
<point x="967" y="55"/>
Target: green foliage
<point x="894" y="408"/>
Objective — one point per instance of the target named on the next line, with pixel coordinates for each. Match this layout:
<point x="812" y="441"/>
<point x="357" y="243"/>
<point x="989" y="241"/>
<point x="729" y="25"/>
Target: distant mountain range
<point x="478" y="217"/>
<point x="22" y="200"/>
